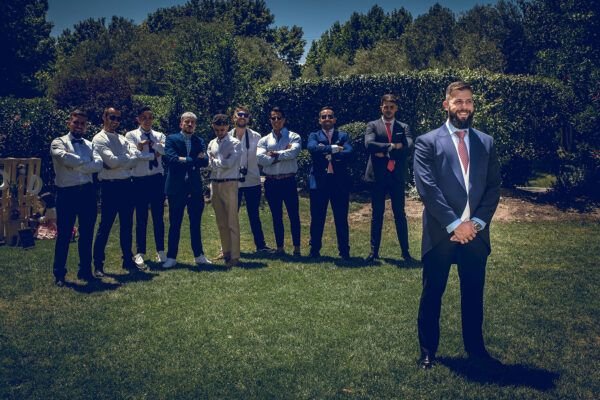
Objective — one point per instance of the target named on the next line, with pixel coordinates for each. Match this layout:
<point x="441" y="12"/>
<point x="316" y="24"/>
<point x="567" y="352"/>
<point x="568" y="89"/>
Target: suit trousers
<point x="224" y="201"/>
<point x="149" y="194"/>
<point x="117" y="198"/>
<point x="76" y="202"/>
<point x="252" y="195"/>
<point x="331" y="191"/>
<point x="471" y="259"/>
<point x="279" y="192"/>
<point x="396" y="190"/>
<point x="195" y="205"/>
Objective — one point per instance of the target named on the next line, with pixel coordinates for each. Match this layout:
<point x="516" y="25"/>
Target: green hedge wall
<point x="525" y="115"/>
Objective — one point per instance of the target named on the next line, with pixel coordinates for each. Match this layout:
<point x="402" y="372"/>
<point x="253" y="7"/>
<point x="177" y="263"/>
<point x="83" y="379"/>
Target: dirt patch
<point x="511" y="209"/>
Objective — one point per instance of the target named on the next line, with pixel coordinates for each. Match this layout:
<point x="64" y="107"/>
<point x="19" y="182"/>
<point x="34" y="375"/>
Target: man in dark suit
<point x="458" y="178"/>
<point x="329" y="182"/>
<point x="389" y="143"/>
<point x="185" y="154"/>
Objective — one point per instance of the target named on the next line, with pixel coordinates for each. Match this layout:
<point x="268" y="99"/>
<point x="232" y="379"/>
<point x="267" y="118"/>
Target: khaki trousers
<point x="225" y="203"/>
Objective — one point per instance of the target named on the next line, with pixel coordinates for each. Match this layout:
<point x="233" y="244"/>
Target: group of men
<point x="456" y="174"/>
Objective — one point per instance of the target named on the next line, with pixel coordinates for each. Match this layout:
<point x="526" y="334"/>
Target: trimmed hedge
<point x="524" y="114"/>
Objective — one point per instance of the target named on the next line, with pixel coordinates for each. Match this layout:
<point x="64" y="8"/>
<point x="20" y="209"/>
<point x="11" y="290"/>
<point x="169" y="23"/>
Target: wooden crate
<point x="19" y="195"/>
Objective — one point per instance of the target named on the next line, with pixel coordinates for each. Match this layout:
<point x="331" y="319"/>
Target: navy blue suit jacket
<point x="440" y="183"/>
<point x="319" y="147"/>
<point x="177" y="170"/>
<point x="376" y="141"/>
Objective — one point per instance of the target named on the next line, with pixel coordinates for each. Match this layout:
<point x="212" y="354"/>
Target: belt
<point x="280" y="176"/>
<point x="224" y="180"/>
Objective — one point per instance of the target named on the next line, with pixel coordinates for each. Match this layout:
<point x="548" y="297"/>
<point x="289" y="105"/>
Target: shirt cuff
<point x="480" y="222"/>
<point x="451" y="227"/>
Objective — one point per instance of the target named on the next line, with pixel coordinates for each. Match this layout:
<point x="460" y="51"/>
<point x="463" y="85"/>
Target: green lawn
<point x="286" y="328"/>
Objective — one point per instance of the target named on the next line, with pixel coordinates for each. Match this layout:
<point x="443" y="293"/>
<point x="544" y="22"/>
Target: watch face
<point x="478" y="226"/>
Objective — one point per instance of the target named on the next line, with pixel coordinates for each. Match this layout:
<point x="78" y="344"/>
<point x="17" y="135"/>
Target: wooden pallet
<point x="19" y="195"/>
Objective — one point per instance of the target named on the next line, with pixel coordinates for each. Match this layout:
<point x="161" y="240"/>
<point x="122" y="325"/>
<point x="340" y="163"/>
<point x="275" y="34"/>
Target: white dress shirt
<point x="74" y="163"/>
<point x="288" y="146"/>
<point x="248" y="157"/>
<point x="224" y="158"/>
<point x="158" y="145"/>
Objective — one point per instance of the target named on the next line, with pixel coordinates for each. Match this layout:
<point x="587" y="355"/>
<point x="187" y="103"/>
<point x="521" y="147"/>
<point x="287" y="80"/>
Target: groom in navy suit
<point x="457" y="175"/>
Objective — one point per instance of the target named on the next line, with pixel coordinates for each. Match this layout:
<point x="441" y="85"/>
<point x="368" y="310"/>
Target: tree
<point x="26" y="46"/>
<point x="290" y="46"/>
<point x="378" y="60"/>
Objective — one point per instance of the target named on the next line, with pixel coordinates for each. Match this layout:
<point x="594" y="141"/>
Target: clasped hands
<point x="464" y="233"/>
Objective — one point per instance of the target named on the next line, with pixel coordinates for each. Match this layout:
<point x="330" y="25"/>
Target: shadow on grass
<point x="132" y="276"/>
<point x="251" y="264"/>
<point x="401" y="263"/>
<point x="92" y="286"/>
<point x="355" y="262"/>
<point x="501" y="374"/>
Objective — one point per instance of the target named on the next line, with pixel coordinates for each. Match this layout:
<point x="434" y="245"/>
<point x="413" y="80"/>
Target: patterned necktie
<point x="391" y="163"/>
<point x="154" y="162"/>
<point x="330" y="165"/>
<point x="463" y="154"/>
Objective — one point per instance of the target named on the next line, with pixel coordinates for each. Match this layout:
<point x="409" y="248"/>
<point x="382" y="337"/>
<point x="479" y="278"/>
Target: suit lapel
<point x="476" y="155"/>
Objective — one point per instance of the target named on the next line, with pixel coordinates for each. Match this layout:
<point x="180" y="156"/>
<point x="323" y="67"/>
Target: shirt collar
<point x="284" y="133"/>
<point x="186" y="135"/>
<point x="452" y="129"/>
<point x="392" y="121"/>
<point x="329" y="132"/>
<point x="145" y="132"/>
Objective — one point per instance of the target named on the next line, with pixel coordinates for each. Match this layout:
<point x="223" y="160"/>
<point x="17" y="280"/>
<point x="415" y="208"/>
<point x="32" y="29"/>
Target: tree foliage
<point x="26" y="46"/>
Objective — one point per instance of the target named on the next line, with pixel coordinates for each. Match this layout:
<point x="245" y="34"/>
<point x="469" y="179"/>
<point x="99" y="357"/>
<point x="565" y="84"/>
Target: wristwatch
<point x="477" y="225"/>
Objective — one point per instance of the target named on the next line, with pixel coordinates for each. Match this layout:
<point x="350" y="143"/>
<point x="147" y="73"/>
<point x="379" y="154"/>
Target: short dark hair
<point x="458" y="85"/>
<point x="326" y="108"/>
<point x="279" y="110"/>
<point x="241" y="108"/>
<point x="143" y="109"/>
<point x="78" y="113"/>
<point x="390" y="98"/>
<point x="220" y="118"/>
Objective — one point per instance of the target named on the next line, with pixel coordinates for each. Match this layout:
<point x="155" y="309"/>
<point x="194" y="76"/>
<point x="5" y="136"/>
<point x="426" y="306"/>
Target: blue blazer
<point x="440" y="183"/>
<point x="318" y="147"/>
<point x="376" y="141"/>
<point x="176" y="183"/>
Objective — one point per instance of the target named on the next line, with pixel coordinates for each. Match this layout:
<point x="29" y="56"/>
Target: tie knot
<point x="388" y="124"/>
<point x="77" y="141"/>
<point x="461" y="134"/>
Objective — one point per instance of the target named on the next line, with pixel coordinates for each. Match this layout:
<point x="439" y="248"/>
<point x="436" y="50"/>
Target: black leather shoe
<point x="426" y="361"/>
<point x="371" y="257"/>
<point x="265" y="249"/>
<point x="59" y="282"/>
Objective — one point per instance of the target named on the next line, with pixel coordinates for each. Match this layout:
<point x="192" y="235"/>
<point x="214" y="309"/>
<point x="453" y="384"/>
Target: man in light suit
<point x="389" y="143"/>
<point x="185" y="154"/>
<point x="457" y="175"/>
<point x="74" y="163"/>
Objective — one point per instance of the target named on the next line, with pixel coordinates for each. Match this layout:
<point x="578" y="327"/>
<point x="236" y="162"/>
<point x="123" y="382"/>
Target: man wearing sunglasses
<point x="249" y="186"/>
<point x="224" y="162"/>
<point x="119" y="156"/>
<point x="329" y="182"/>
<point x="149" y="184"/>
<point x="277" y="153"/>
<point x="389" y="144"/>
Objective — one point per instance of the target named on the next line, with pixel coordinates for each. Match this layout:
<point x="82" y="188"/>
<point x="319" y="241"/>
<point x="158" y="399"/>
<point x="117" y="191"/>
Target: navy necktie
<point x="154" y="162"/>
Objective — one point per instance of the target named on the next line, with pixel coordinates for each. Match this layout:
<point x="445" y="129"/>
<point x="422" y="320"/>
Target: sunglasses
<point x="276" y="118"/>
<point x="114" y="117"/>
<point x="327" y="116"/>
<point x="243" y="115"/>
<point x="220" y="123"/>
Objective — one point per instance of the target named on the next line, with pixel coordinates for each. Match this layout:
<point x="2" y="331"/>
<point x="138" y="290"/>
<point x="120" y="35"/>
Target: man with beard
<point x="389" y="143"/>
<point x="249" y="186"/>
<point x="74" y="163"/>
<point x="185" y="154"/>
<point x="119" y="156"/>
<point x="330" y="150"/>
<point x="457" y="175"/>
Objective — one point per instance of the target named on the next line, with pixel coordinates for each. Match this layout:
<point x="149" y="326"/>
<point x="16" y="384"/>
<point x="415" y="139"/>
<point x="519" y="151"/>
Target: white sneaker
<point x="201" y="259"/>
<point x="170" y="263"/>
<point x="138" y="259"/>
<point x="161" y="256"/>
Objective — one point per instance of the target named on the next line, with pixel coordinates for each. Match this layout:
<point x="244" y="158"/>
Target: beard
<point x="458" y="123"/>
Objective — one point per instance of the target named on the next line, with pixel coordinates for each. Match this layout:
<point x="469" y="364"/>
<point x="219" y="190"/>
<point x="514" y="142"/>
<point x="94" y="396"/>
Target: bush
<point x="525" y="115"/>
<point x="579" y="175"/>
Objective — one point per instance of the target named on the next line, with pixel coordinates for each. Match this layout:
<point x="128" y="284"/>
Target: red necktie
<point x="463" y="154"/>
<point x="391" y="163"/>
<point x="330" y="165"/>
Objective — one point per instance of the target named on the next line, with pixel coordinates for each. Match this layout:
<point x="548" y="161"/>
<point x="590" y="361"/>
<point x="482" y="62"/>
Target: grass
<point x="286" y="329"/>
